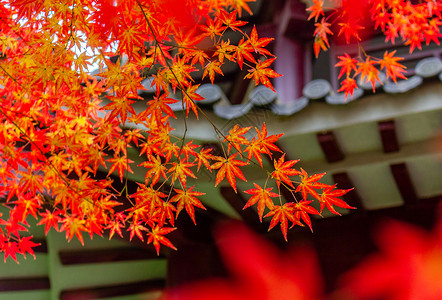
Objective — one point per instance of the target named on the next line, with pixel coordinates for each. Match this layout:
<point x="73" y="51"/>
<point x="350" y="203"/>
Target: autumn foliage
<point x="411" y="22"/>
<point x="60" y="126"/>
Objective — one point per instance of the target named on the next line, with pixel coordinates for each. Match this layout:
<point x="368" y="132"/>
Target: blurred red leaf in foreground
<point x="407" y="267"/>
<point x="258" y="271"/>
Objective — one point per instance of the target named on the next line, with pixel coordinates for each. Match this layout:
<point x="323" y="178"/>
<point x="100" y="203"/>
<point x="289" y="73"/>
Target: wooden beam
<point x="404" y="184"/>
<point x="387" y="131"/>
<point x="113" y="290"/>
<point x="43" y="247"/>
<point x="71" y="257"/>
<point x="330" y="146"/>
<point x="24" y="284"/>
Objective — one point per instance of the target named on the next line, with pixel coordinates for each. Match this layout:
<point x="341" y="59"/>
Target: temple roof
<point x="318" y="90"/>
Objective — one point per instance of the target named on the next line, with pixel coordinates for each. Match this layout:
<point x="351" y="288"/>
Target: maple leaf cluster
<point x="60" y="127"/>
<point x="414" y="23"/>
<point x="284" y="174"/>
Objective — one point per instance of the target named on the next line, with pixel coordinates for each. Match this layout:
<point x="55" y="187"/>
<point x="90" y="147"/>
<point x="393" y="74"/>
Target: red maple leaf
<point x="348" y="86"/>
<point x="230" y="20"/>
<point x="25" y="245"/>
<point x="347" y="64"/>
<point x="303" y="209"/>
<point x="329" y="197"/>
<point x="308" y="184"/>
<point x="11" y="249"/>
<point x="136" y="228"/>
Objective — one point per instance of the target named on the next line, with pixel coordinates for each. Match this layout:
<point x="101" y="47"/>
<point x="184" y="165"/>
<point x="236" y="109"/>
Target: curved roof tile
<point x="321" y="89"/>
<point x="318" y="89"/>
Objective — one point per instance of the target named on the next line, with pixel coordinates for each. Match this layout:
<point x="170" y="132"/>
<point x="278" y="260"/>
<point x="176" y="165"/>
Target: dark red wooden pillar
<point x="387" y="131"/>
<point x="330" y="146"/>
<point x="404" y="184"/>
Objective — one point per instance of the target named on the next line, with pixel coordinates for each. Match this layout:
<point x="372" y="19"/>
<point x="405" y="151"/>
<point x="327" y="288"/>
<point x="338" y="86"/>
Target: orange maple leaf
<point x="262" y="144"/>
<point x="158" y="105"/>
<point x="319" y="44"/>
<point x="261" y="72"/>
<point x="239" y="5"/>
<point x="391" y="65"/>
<point x="120" y="163"/>
<point x="316" y="10"/>
<point x="154" y="167"/>
<point x="203" y="157"/>
<point x="259" y="43"/>
<point x="347" y="64"/>
<point x="322" y="29"/>
<point x="282" y="214"/>
<point x="368" y="72"/>
<point x="283" y="169"/>
<point x="236" y="138"/>
<point x="73" y="225"/>
<point x="189" y="98"/>
<point x="50" y="219"/>
<point x="244" y="50"/>
<point x="213" y="28"/>
<point x="303" y="209"/>
<point x="262" y="197"/>
<point x="120" y="106"/>
<point x="212" y="68"/>
<point x="186" y="198"/>
<point x="166" y="210"/>
<point x="229" y="168"/>
<point x="115" y="226"/>
<point x="181" y="170"/>
<point x="156" y="236"/>
<point x="135" y="229"/>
